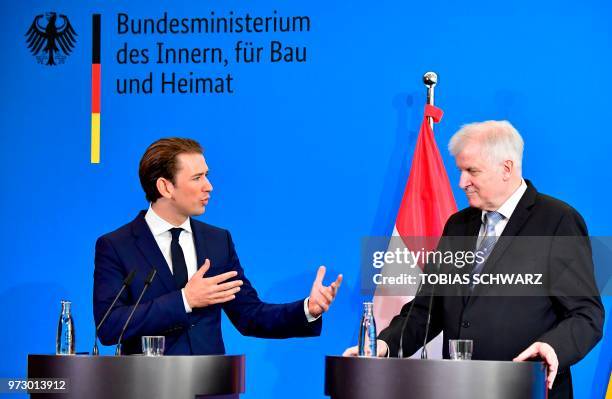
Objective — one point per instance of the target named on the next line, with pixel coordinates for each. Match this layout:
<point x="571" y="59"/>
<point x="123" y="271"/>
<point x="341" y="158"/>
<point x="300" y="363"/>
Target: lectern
<point x="137" y="376"/>
<point x="360" y="377"/>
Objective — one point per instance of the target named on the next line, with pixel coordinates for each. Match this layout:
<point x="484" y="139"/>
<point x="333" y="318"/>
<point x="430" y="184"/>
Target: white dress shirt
<point x="161" y="232"/>
<point x="506" y="210"/>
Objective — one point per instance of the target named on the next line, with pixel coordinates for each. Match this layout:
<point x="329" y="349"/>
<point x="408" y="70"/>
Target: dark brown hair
<point x="160" y="160"/>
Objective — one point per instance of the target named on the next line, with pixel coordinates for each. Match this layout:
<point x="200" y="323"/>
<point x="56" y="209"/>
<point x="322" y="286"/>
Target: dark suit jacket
<point x="568" y="315"/>
<point x="161" y="312"/>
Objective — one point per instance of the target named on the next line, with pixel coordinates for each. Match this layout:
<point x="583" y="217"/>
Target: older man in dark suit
<point x="521" y="232"/>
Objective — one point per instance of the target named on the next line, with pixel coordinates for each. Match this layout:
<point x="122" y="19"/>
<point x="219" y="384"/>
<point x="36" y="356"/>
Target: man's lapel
<point x="473" y="224"/>
<point x="150" y="251"/>
<point x="472" y="227"/>
<point x="199" y="242"/>
<point x="515" y="224"/>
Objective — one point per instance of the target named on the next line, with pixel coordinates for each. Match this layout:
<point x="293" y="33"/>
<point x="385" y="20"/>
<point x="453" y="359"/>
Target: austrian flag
<point x="426" y="205"/>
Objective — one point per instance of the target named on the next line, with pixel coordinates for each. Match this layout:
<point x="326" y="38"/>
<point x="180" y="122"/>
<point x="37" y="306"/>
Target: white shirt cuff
<point x="185" y="303"/>
<point x="383" y="343"/>
<point x="309" y="317"/>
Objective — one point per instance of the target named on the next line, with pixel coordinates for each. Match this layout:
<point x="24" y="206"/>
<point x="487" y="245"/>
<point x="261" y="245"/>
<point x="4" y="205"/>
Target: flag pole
<point x="431" y="80"/>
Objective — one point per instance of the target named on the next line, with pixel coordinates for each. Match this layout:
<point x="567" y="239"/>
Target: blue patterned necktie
<point x="487" y="242"/>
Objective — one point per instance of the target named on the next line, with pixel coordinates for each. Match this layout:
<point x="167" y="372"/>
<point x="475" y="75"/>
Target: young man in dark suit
<point x="524" y="232"/>
<point x="198" y="271"/>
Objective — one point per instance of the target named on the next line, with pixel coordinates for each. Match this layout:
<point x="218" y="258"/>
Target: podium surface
<point x="390" y="378"/>
<point x="140" y="376"/>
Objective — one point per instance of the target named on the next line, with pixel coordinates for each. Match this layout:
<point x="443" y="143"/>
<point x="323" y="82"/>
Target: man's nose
<point x="464" y="180"/>
<point x="207" y="185"/>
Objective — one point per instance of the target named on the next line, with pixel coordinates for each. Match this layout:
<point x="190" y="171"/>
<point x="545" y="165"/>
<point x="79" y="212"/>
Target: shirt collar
<point x="159" y="226"/>
<point x="508" y="207"/>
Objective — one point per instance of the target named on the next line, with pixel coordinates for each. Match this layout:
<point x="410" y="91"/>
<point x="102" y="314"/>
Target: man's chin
<point x="198" y="211"/>
<point x="474" y="202"/>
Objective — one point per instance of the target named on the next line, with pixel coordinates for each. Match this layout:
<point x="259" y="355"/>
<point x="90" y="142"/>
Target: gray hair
<point x="499" y="139"/>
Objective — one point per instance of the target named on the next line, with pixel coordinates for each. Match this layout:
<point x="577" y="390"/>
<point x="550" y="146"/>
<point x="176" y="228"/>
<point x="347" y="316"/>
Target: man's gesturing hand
<point x="201" y="292"/>
<point x="321" y="296"/>
<point x="546" y="353"/>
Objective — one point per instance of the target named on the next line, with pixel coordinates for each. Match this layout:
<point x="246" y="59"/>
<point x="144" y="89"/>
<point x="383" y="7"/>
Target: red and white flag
<point x="426" y="205"/>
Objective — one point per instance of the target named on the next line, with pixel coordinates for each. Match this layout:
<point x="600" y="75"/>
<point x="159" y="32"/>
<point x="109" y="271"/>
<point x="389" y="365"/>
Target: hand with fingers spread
<point x="321" y="296"/>
<point x="203" y="291"/>
<point x="546" y="353"/>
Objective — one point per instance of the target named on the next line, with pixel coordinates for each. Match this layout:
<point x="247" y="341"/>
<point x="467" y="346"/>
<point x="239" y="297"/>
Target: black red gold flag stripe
<point x="95" y="89"/>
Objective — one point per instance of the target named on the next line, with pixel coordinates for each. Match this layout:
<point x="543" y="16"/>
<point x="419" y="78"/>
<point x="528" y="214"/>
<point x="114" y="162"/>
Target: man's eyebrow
<point x="200" y="174"/>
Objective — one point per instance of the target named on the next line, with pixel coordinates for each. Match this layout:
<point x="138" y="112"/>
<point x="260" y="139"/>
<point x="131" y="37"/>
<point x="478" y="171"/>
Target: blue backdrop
<point x="306" y="158"/>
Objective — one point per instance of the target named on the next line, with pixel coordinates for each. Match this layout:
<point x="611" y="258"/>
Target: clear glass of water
<point x="153" y="345"/>
<point x="460" y="349"/>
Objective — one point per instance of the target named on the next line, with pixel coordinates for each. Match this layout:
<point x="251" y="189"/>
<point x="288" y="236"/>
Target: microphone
<point x="126" y="282"/>
<point x="147" y="282"/>
<point x="431" y="296"/>
<point x="400" y="351"/>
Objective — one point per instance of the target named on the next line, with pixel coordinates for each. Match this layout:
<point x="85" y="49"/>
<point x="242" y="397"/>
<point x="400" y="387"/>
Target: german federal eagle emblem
<point x="51" y="38"/>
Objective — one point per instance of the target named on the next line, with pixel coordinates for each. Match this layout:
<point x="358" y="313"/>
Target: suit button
<point x="465" y="324"/>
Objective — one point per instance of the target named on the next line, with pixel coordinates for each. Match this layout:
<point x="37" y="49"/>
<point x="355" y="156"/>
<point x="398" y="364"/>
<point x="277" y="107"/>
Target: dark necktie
<point x="179" y="268"/>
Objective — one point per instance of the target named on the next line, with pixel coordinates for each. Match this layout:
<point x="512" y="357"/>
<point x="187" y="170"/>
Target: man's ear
<point x="165" y="187"/>
<point x="508" y="169"/>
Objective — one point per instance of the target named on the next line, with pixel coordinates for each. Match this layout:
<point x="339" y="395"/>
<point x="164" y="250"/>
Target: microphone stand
<point x="126" y="282"/>
<point x="431" y="297"/>
<point x="400" y="351"/>
<point x="148" y="281"/>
